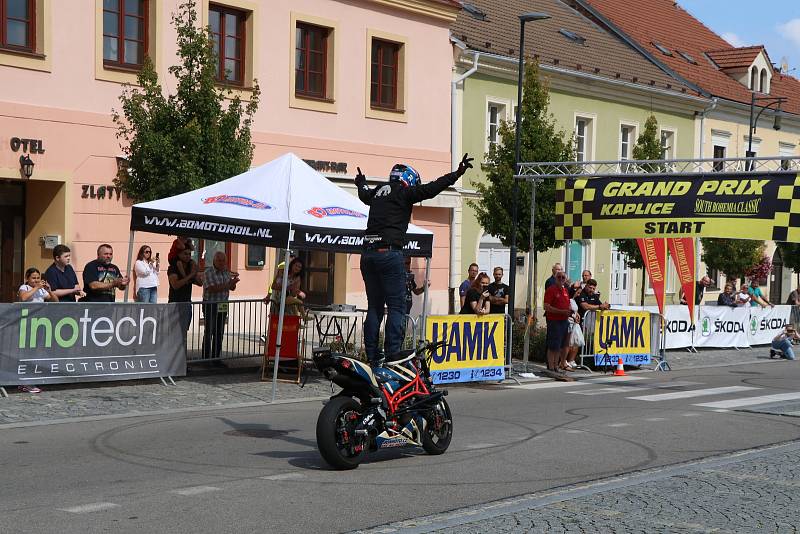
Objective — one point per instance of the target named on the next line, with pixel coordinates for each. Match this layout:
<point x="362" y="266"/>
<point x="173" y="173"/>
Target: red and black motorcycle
<point x="395" y="405"/>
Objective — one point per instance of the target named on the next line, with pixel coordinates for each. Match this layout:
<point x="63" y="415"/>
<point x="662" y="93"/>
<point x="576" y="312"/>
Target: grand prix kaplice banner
<point x="766" y="207"/>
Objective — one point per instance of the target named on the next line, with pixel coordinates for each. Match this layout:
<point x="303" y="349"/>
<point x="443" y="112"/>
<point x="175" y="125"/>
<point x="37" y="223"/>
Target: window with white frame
<point x="786" y="151"/>
<point x="627" y="138"/>
<point x="667" y="144"/>
<point x="495" y="115"/>
<point x="583" y="139"/>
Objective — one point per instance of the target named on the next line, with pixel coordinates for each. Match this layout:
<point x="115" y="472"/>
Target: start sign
<point x="474" y="348"/>
<point x="622" y="334"/>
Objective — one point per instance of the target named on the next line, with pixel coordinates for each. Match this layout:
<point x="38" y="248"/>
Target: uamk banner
<point x="89" y="342"/>
<point x="622" y="334"/>
<point x="474" y="349"/>
<point x="708" y="205"/>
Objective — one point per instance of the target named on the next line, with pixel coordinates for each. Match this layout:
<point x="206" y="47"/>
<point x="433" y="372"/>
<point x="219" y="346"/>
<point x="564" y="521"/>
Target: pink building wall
<point x="69" y="109"/>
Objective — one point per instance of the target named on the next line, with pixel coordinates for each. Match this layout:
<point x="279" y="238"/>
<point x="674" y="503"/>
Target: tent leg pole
<point x="130" y="261"/>
<point x="423" y="327"/>
<point x="279" y="335"/>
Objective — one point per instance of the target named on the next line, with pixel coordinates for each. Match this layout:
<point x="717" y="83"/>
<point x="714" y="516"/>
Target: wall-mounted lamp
<point x="26" y="166"/>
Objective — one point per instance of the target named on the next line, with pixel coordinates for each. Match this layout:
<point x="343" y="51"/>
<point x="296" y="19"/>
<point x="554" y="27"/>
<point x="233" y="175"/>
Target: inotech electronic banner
<point x="89" y="342"/>
<point x="709" y="205"/>
<point x="474" y="348"/>
<point x="622" y="334"/>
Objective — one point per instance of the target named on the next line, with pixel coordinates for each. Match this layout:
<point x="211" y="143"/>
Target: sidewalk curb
<point x="190" y="409"/>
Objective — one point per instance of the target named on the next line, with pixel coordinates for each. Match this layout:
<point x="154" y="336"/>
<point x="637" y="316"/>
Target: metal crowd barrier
<point x="657" y="351"/>
<point x="246" y="328"/>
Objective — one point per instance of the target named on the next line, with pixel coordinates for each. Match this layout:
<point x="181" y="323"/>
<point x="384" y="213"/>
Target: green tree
<point x="648" y="147"/>
<point x="734" y="257"/>
<point x="540" y="140"/>
<point x="179" y="142"/>
<point x="790" y="253"/>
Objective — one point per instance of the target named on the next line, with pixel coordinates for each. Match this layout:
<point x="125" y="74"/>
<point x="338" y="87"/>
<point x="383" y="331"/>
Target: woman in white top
<point x="35" y="288"/>
<point x="146" y="269"/>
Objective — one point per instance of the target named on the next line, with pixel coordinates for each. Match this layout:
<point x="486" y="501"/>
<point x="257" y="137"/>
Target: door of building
<point x="491" y="254"/>
<point x="317" y="281"/>
<point x="620" y="279"/>
<point x="776" y="278"/>
<point x="12" y="238"/>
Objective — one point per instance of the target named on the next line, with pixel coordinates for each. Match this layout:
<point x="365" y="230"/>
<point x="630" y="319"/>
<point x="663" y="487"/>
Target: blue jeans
<point x="786" y="347"/>
<point x="385" y="281"/>
<point x="147" y="295"/>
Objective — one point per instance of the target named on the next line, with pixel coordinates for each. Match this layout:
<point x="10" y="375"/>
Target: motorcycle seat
<point x="402" y="355"/>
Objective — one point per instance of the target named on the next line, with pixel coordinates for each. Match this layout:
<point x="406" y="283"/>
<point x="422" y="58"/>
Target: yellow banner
<point x="620" y="333"/>
<point x="710" y="205"/>
<point x="474" y="347"/>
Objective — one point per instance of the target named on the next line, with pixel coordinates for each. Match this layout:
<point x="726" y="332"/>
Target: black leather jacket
<point x="390" y="206"/>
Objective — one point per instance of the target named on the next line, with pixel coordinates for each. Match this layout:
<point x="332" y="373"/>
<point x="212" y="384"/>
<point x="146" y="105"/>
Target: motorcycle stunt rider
<point x="382" y="264"/>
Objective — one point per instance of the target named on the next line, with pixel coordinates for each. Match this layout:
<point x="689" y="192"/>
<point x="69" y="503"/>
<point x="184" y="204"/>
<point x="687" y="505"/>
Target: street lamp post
<point x="527" y="17"/>
<point x="754" y="119"/>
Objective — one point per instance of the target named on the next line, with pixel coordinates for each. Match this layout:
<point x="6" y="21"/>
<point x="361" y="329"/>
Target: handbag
<point x="576" y="336"/>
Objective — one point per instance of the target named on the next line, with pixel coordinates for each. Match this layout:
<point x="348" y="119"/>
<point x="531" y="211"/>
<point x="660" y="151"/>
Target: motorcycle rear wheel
<point x="331" y="425"/>
<point x="439" y="430"/>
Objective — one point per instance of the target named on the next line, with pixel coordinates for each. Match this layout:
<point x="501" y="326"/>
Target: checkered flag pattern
<point x="572" y="198"/>
<point x="787" y="216"/>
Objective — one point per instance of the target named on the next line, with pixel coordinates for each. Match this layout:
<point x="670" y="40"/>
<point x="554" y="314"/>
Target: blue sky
<point x="773" y="23"/>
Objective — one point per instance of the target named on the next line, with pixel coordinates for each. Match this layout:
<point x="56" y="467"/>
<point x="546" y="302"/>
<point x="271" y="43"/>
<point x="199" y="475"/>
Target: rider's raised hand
<point x="360" y="178"/>
<point x="466" y="163"/>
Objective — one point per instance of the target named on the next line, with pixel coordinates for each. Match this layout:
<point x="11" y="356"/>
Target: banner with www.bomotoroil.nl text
<point x="474" y="347"/>
<point x="764" y="207"/>
<point x="89" y="342"/>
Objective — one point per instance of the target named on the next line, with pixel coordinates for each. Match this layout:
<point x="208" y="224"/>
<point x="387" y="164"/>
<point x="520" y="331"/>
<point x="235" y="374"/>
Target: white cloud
<point x="733" y="39"/>
<point x="791" y="31"/>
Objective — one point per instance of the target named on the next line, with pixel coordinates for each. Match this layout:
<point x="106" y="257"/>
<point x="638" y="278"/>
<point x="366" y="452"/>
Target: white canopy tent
<point x="282" y="204"/>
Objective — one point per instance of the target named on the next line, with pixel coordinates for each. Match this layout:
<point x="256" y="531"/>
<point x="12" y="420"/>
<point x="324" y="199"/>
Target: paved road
<point x="256" y="468"/>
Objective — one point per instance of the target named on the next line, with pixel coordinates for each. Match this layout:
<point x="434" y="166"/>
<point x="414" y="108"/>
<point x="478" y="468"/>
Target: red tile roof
<point x="596" y="51"/>
<point x="666" y="23"/>
<point x="735" y="58"/>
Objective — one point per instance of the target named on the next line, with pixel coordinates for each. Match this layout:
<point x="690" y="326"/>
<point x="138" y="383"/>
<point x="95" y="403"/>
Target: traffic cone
<point x="620" y="368"/>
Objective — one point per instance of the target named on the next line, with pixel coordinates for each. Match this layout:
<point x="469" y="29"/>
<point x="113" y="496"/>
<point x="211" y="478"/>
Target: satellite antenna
<point x="784" y="65"/>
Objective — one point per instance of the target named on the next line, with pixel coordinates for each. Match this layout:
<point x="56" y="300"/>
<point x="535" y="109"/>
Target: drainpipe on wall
<point x="709" y="109"/>
<point x="455" y="123"/>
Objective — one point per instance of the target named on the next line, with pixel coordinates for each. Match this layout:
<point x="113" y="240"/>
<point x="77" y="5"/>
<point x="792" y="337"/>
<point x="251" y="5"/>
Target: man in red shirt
<point x="557" y="311"/>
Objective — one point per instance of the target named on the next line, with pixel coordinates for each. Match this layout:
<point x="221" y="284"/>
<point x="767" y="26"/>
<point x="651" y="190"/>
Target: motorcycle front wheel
<point x="439" y="429"/>
<point x="336" y="438"/>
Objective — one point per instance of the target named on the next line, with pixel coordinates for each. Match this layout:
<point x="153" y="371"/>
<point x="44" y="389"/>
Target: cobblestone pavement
<point x="754" y="492"/>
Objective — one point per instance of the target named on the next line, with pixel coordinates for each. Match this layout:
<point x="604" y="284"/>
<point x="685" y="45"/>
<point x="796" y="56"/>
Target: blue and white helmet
<point x="405" y="174"/>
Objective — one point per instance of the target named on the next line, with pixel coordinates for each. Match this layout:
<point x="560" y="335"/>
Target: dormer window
<point x="753" y="78"/>
<point x="763" y="82"/>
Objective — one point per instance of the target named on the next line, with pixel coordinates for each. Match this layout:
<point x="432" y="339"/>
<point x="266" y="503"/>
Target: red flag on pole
<point x="682" y="251"/>
<point x="654" y="254"/>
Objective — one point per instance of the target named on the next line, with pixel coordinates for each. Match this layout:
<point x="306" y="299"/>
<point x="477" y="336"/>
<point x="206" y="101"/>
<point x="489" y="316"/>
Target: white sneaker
<point x="572" y="364"/>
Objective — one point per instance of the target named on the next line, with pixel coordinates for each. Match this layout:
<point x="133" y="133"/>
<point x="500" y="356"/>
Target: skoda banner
<point x="679" y="327"/>
<point x="474" y="348"/>
<point x="709" y="205"/>
<point x="89" y="342"/>
<point x="721" y="326"/>
<point x="766" y="323"/>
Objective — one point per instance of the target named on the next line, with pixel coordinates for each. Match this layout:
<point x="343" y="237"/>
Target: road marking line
<point x="602" y="379"/>
<point x="693" y="393"/>
<point x="691" y="414"/>
<point x="196" y="490"/>
<point x="736" y="403"/>
<point x="574" y="431"/>
<point x="619" y="425"/>
<point x="655" y="419"/>
<point x="547" y="385"/>
<point x="91" y="507"/>
<point x="283" y="476"/>
<point x="603" y="391"/>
